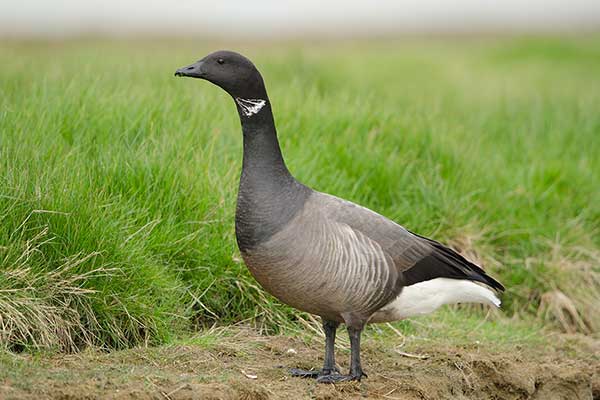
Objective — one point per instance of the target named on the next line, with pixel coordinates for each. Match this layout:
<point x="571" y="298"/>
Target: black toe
<point x="334" y="378"/>
<point x="304" y="373"/>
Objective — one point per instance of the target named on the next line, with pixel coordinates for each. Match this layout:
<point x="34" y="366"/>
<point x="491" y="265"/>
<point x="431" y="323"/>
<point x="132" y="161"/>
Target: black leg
<point x="355" y="368"/>
<point x="329" y="368"/>
<point x="356" y="372"/>
<point x="330" y="328"/>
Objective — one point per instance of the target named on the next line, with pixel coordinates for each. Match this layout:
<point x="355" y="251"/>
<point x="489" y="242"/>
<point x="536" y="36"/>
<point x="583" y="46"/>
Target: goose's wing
<point x="416" y="257"/>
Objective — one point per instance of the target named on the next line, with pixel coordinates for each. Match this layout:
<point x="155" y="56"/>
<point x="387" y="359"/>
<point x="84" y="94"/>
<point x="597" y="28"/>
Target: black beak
<point x="194" y="70"/>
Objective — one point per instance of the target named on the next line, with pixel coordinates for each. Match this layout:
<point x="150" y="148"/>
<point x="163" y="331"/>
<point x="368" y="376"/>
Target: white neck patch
<point x="250" y="106"/>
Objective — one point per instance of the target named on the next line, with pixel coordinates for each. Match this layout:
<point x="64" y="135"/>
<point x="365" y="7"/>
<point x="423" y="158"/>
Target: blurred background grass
<point x="118" y="181"/>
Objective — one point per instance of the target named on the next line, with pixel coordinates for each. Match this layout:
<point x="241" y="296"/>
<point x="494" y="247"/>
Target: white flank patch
<point x="250" y="106"/>
<point x="426" y="297"/>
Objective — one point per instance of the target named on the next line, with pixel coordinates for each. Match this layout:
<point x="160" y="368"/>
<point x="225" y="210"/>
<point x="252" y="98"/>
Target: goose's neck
<point x="268" y="196"/>
<point x="262" y="154"/>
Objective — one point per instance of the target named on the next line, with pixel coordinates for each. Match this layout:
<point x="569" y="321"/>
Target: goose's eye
<point x="221" y="61"/>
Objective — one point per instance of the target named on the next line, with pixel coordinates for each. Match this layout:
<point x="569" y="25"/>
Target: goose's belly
<point x="316" y="277"/>
<point x="298" y="286"/>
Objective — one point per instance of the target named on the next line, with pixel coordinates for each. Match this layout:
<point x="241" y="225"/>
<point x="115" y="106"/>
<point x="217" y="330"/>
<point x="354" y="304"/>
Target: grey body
<point x="319" y="263"/>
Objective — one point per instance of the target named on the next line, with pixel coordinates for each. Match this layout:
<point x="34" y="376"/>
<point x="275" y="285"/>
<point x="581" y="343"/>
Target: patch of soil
<point x="249" y="366"/>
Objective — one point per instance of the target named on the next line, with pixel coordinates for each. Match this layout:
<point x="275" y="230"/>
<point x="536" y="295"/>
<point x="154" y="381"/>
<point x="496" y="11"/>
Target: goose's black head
<point x="229" y="70"/>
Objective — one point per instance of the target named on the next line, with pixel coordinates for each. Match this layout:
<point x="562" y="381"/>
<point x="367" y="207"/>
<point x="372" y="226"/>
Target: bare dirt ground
<point x="245" y="365"/>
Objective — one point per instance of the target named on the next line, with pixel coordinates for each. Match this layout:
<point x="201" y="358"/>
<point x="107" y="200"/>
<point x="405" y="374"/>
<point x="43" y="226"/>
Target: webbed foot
<point x="304" y="373"/>
<point x="334" y="378"/>
<point x="312" y="373"/>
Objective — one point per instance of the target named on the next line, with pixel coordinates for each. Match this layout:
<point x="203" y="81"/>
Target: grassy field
<point x="118" y="181"/>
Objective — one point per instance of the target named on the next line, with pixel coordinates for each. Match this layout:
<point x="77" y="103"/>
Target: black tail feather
<point x="444" y="262"/>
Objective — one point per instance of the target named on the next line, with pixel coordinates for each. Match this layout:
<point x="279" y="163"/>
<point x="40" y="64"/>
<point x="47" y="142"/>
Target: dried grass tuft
<point x="556" y="306"/>
<point x="46" y="308"/>
<point x="573" y="303"/>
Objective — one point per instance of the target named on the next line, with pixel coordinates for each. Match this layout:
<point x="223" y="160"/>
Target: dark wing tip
<point x="443" y="262"/>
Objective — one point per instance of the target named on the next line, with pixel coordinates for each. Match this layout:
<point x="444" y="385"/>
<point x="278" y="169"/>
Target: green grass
<point x="123" y="179"/>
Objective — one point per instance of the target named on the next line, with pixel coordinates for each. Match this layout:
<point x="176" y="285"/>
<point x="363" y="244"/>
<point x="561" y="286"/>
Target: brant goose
<point x="322" y="254"/>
